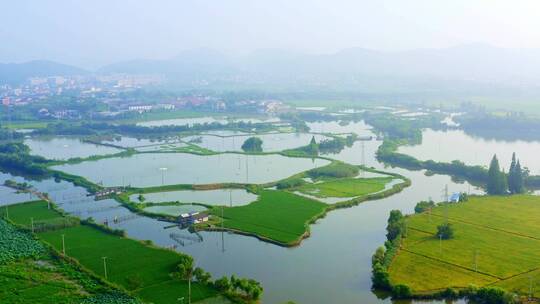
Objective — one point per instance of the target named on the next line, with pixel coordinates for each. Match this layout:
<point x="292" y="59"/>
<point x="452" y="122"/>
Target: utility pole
<point x="363" y="156"/>
<point x="7" y="212"/>
<point x="105" y="266"/>
<point x="189" y="287"/>
<point x="63" y="245"/>
<point x="530" y="287"/>
<point x="230" y="197"/>
<point x="163" y="169"/>
<point x="476" y="260"/>
<point x="446" y="203"/>
<point x="440" y="243"/>
<point x="222" y="229"/>
<point x="32" y="223"/>
<point x="247" y="169"/>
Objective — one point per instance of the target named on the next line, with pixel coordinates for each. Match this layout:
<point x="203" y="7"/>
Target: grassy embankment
<point x="283" y="218"/>
<point x="142" y="269"/>
<point x="496" y="243"/>
<point x="277" y="216"/>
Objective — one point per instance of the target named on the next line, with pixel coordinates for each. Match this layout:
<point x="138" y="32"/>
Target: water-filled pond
<point x="271" y="142"/>
<point x="457" y="145"/>
<point x="132" y="142"/>
<point x="234" y="197"/>
<point x="204" y="120"/>
<point x="154" y="169"/>
<point x="332" y="265"/>
<point x="62" y="148"/>
<point x="340" y="127"/>
<point x="174" y="210"/>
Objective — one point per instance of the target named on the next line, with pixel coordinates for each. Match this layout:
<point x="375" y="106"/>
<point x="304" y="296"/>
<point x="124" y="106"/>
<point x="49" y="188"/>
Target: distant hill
<point x="473" y="63"/>
<point x="16" y="73"/>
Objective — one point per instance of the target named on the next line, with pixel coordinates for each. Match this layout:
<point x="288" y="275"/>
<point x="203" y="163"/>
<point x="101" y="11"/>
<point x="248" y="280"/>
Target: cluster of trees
<point x="252" y="144"/>
<point x="396" y="225"/>
<point x="336" y="144"/>
<point x="511" y="126"/>
<point x="7" y="134"/>
<point x="235" y="287"/>
<point x="424" y="206"/>
<point x="334" y="170"/>
<point x="501" y="183"/>
<point x="384" y="255"/>
<point x="445" y="231"/>
<point x="86" y="128"/>
<point x="15" y="157"/>
<point x="245" y="288"/>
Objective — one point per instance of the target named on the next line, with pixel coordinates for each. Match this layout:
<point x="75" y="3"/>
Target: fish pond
<point x="155" y="169"/>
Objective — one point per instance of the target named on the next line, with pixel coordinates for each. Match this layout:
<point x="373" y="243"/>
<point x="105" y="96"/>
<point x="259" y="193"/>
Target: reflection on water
<point x="456" y="145"/>
<point x="332" y="266"/>
<point x="62" y="148"/>
<point x="154" y="169"/>
<point x="234" y="197"/>
<point x="271" y="142"/>
<point x="174" y="210"/>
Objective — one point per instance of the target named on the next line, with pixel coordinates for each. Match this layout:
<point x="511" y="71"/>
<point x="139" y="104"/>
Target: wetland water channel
<point x="333" y="265"/>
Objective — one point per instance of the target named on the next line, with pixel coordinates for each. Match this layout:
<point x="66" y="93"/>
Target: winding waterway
<point x="333" y="265"/>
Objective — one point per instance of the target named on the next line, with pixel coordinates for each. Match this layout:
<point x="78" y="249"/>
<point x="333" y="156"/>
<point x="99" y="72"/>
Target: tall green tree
<point x="512" y="178"/>
<point x="515" y="176"/>
<point x="497" y="183"/>
<point x="520" y="176"/>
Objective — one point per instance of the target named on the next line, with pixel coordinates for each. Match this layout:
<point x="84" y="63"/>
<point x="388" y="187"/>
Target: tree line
<point x="500" y="182"/>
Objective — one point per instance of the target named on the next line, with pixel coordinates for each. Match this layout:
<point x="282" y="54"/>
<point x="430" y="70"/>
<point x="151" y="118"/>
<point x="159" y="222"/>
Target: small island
<point x="252" y="144"/>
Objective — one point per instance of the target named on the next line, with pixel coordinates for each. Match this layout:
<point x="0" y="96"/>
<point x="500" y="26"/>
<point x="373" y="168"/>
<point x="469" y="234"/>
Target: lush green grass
<point x="496" y="241"/>
<point x="522" y="284"/>
<point x="137" y="267"/>
<point x="167" y="292"/>
<point x="22" y="213"/>
<point x="430" y="274"/>
<point x="347" y="187"/>
<point x="27" y="282"/>
<point x="27" y="125"/>
<point x="276" y="215"/>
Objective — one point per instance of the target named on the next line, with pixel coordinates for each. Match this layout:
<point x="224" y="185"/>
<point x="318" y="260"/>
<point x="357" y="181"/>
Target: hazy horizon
<point x="103" y="32"/>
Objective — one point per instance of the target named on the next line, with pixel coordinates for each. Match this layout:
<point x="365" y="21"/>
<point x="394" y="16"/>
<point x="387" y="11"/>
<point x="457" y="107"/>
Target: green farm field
<point x="277" y="215"/>
<point x="496" y="242"/>
<point x="143" y="270"/>
<point x="346" y="187"/>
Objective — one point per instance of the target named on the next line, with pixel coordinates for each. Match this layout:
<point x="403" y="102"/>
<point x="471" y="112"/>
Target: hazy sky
<point x="96" y="32"/>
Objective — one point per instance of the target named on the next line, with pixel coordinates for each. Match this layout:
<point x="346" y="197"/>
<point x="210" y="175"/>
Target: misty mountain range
<point x="466" y="64"/>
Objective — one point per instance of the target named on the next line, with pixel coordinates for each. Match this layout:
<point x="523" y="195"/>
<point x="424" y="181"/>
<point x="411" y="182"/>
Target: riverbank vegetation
<point x="32" y="272"/>
<point x="485" y="230"/>
<point x="141" y="269"/>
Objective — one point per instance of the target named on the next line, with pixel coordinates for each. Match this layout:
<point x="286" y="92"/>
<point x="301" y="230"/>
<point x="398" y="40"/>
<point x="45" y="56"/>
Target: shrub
<point x="252" y="144"/>
<point x="378" y="256"/>
<point x="290" y="183"/>
<point x="450" y="293"/>
<point x="492" y="295"/>
<point x="222" y="284"/>
<point x="380" y="278"/>
<point x="334" y="170"/>
<point x="423" y="206"/>
<point x="396" y="225"/>
<point x="445" y="231"/>
<point x="401" y="291"/>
